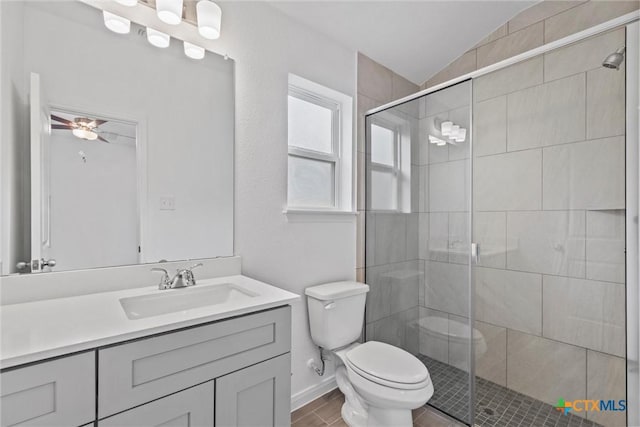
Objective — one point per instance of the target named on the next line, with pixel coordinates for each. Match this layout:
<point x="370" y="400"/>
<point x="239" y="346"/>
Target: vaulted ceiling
<point x="415" y="39"/>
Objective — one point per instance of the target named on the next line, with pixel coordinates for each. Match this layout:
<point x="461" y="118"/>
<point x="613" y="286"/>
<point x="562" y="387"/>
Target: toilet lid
<point x="376" y="360"/>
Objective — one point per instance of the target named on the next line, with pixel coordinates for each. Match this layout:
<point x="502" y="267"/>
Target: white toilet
<point x="381" y="383"/>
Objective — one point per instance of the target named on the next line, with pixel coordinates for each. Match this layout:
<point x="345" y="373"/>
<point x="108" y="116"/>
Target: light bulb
<point x="116" y="23"/>
<point x="193" y="51"/>
<point x="209" y="18"/>
<point x="158" y="38"/>
<point x="169" y="11"/>
<point x="462" y="135"/>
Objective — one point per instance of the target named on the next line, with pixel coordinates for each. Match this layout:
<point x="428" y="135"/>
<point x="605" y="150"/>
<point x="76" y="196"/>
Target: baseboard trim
<point x="310" y="394"/>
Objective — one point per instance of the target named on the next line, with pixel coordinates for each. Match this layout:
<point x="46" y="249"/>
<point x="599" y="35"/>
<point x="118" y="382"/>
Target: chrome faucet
<point x="183" y="278"/>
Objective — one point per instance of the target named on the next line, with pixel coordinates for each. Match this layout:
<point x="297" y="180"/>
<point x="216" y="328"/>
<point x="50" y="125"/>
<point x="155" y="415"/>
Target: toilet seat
<point x="387" y="366"/>
<point x="384" y="396"/>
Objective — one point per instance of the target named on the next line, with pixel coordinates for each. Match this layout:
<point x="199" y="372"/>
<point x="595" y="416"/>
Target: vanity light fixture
<point x="116" y="23"/>
<point x="193" y="51"/>
<point x="129" y="3"/>
<point x="169" y="11"/>
<point x="158" y="38"/>
<point x="209" y="17"/>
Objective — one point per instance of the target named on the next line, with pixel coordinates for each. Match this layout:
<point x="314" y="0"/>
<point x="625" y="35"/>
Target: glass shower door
<point x="549" y="218"/>
<point x="418" y="224"/>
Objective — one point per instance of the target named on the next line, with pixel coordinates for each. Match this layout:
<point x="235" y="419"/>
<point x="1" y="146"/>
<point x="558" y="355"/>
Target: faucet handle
<point x="165" y="280"/>
<point x="190" y="279"/>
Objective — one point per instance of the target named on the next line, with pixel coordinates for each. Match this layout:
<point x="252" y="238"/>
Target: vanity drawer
<point x="189" y="408"/>
<point x="140" y="371"/>
<point x="56" y="393"/>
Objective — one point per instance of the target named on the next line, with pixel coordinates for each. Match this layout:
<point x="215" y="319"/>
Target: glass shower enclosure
<point x="495" y="238"/>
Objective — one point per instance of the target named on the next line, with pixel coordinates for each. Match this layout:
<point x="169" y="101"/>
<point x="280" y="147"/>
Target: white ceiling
<point x="416" y="39"/>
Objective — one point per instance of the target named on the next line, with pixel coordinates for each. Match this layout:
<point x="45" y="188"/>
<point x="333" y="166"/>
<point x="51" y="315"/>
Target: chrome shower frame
<point x="630" y="22"/>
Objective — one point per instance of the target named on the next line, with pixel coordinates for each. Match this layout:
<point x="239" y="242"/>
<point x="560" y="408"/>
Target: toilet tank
<point x="336" y="313"/>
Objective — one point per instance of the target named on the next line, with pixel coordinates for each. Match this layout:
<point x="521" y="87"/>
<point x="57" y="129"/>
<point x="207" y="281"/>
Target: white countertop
<point x="42" y="329"/>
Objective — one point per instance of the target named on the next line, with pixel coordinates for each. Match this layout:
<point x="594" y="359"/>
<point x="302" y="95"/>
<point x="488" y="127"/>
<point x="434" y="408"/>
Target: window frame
<point x="395" y="169"/>
<point x="342" y="146"/>
<point x="306" y="153"/>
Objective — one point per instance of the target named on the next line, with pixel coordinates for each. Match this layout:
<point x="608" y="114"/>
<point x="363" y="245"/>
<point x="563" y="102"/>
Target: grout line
<point x="542" y="179"/>
<point x="586" y="103"/>
<point x="542" y="306"/>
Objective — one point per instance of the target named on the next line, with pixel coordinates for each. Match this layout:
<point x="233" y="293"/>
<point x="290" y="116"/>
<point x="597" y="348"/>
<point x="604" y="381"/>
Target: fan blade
<point x="54" y="126"/>
<point x="99" y="122"/>
<point x="61" y="120"/>
<point x="103" y="140"/>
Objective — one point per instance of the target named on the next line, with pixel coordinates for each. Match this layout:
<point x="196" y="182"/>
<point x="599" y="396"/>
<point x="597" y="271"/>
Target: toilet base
<point x="356" y="413"/>
<point x="354" y="410"/>
<point x="389" y="417"/>
<point x="376" y="417"/>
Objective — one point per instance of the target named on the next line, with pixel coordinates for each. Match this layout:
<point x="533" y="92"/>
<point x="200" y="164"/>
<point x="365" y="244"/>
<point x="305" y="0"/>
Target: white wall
<point x="94" y="203"/>
<point x="267" y="46"/>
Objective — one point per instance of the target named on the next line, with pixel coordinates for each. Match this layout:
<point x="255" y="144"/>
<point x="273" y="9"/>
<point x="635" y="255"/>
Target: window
<point x="320" y="148"/>
<point x="389" y="138"/>
<point x="385" y="168"/>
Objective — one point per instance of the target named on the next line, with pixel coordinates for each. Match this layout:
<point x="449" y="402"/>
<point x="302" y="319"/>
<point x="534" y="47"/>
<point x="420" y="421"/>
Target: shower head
<point x="614" y="60"/>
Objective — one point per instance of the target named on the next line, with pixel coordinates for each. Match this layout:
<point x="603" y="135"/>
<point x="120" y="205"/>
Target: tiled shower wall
<point x="394" y="271"/>
<point x="549" y="214"/>
<point x="542" y="23"/>
<point x="550" y="281"/>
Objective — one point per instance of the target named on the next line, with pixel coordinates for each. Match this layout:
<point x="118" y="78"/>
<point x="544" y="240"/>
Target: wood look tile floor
<point x="325" y="411"/>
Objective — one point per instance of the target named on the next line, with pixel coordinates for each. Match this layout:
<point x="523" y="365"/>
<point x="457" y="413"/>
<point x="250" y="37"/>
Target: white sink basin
<point x="174" y="300"/>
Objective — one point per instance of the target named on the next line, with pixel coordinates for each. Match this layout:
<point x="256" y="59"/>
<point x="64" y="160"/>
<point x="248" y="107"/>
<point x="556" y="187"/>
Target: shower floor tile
<point x="495" y="405"/>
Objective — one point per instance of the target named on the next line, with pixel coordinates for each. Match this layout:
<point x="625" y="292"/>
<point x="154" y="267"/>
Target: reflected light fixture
<point x="439" y="142"/>
<point x="193" y="51"/>
<point x="85" y="133"/>
<point x="116" y="23"/>
<point x="461" y="136"/>
<point x="127" y="2"/>
<point x="453" y="132"/>
<point x="169" y="11"/>
<point x="158" y="38"/>
<point x="209" y="17"/>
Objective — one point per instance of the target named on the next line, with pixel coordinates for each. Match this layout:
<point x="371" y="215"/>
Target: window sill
<point x="319" y="215"/>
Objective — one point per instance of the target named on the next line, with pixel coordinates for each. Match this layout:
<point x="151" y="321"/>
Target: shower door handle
<point x="475" y="252"/>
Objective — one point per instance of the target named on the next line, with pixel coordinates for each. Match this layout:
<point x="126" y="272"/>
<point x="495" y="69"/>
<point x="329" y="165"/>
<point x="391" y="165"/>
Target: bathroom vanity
<point x="83" y="360"/>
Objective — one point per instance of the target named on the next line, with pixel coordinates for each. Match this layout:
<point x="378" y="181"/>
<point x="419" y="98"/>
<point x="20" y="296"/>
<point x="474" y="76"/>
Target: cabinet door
<point x="189" y="408"/>
<point x="137" y="372"/>
<point x="59" y="392"/>
<point x="259" y="395"/>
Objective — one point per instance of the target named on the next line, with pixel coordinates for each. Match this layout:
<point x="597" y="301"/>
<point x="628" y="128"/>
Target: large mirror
<point x="113" y="151"/>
